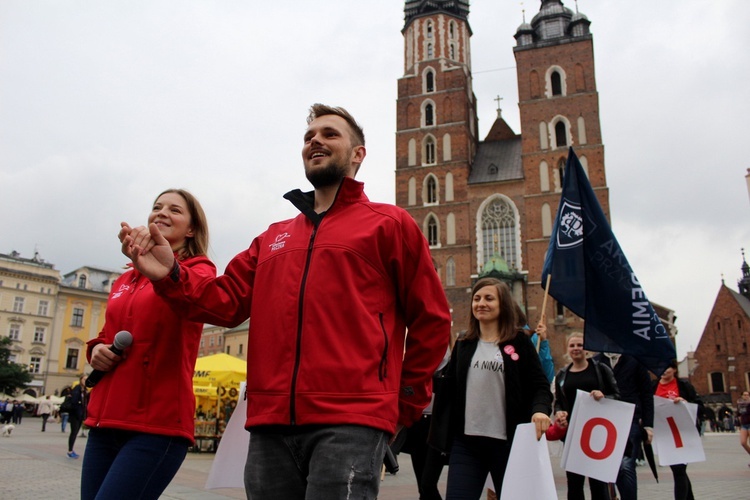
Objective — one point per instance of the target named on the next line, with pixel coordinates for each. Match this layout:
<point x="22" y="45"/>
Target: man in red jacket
<point x="332" y="374"/>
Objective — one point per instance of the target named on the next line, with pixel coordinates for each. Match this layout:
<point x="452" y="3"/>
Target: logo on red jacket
<point x="123" y="288"/>
<point x="279" y="241"/>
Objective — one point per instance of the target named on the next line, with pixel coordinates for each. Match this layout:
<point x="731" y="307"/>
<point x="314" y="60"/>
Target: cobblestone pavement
<point x="34" y="466"/>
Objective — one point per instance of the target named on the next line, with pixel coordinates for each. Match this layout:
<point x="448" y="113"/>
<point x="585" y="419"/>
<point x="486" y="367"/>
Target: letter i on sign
<point x="675" y="432"/>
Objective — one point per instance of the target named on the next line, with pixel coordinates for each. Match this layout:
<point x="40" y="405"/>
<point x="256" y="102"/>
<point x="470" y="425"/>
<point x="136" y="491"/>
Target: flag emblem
<point x="571" y="225"/>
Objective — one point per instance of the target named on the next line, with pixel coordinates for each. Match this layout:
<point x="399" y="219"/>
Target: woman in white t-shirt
<point x="499" y="385"/>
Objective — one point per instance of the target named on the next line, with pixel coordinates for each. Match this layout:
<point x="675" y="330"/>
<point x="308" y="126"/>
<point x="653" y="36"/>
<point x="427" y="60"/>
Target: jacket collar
<point x="350" y="191"/>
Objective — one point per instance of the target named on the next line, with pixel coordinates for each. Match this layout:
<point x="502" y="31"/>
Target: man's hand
<point x="542" y="422"/>
<point x="150" y="252"/>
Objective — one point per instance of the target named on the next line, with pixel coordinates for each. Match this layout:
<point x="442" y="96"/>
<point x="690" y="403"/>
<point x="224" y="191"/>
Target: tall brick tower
<point x="487" y="206"/>
<point x="559" y="108"/>
<point x="436" y="135"/>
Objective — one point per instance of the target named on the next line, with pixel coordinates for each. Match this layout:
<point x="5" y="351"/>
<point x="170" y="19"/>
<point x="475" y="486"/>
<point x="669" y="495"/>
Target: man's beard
<point x="330" y="175"/>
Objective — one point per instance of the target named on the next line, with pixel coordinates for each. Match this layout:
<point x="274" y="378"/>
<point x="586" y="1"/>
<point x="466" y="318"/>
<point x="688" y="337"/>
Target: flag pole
<point x="544" y="308"/>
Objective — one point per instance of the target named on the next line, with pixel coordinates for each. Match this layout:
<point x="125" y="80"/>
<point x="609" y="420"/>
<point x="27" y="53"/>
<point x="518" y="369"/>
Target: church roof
<point x="497" y="161"/>
<point x="743" y="301"/>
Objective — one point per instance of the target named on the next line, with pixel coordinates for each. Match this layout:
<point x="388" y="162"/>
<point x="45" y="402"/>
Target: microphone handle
<point x="96" y="375"/>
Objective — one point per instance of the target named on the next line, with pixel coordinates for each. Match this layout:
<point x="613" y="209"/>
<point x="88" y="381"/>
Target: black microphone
<point x="123" y="339"/>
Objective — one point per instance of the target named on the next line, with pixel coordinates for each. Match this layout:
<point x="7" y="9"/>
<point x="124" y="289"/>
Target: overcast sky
<point x="105" y="104"/>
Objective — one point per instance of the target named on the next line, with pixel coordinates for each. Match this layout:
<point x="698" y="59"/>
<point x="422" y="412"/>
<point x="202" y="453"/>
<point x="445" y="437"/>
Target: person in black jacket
<point x="671" y="387"/>
<point x="79" y="397"/>
<point x="634" y="386"/>
<point x="499" y="385"/>
<point x="595" y="378"/>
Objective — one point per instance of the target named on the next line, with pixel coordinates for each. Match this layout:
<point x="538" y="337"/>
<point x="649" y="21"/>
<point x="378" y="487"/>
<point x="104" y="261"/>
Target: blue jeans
<point x="125" y="464"/>
<point x="471" y="458"/>
<point x="314" y="462"/>
<point x="63" y="420"/>
<point x="627" y="479"/>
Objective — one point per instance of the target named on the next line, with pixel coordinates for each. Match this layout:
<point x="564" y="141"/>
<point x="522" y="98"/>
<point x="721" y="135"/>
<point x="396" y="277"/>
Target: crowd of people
<point x="333" y="381"/>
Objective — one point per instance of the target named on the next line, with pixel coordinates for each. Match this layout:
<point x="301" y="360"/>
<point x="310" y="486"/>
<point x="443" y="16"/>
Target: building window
<point x="229" y="348"/>
<point x="561" y="136"/>
<point x="430" y="51"/>
<point x="717" y="381"/>
<point x="429" y="29"/>
<point x="556" y="81"/>
<point x="43" y="308"/>
<point x="71" y="360"/>
<point x="203" y="343"/>
<point x="429" y="81"/>
<point x="559" y="310"/>
<point x="35" y="365"/>
<point x="77" y="319"/>
<point x="82" y="281"/>
<point x="452" y="49"/>
<point x="499" y="232"/>
<point x="39" y="334"/>
<point x="429" y="115"/>
<point x="450" y="272"/>
<point x="218" y="340"/>
<point x="432" y="231"/>
<point x="451" y="30"/>
<point x="18" y="305"/>
<point x="429" y="150"/>
<point x="431" y="190"/>
<point x="14" y="331"/>
<point x="239" y="351"/>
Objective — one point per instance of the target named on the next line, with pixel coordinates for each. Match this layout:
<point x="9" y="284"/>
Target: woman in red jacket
<point x="141" y="412"/>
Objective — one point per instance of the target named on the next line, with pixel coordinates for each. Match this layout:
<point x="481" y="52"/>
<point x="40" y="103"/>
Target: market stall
<point x="216" y="385"/>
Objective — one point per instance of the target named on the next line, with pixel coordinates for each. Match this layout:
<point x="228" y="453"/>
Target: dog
<point x="7" y="429"/>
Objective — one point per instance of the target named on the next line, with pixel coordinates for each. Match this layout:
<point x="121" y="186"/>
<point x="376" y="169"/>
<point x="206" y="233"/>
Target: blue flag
<point x="592" y="278"/>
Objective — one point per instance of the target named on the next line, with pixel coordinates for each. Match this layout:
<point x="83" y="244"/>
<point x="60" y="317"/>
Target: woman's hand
<point x="678" y="399"/>
<point x="562" y="418"/>
<point x="597" y="395"/>
<point x="541" y="328"/>
<point x="103" y="359"/>
<point x="148" y="249"/>
<point x="542" y="423"/>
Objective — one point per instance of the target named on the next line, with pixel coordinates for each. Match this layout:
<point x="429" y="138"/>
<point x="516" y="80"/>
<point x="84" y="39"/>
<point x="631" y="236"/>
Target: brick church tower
<point x="487" y="206"/>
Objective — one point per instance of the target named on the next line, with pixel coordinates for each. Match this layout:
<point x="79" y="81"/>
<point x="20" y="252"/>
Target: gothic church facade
<point x="487" y="205"/>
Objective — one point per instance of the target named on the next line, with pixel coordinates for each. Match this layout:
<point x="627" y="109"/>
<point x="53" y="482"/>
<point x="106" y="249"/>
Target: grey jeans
<point x="315" y="462"/>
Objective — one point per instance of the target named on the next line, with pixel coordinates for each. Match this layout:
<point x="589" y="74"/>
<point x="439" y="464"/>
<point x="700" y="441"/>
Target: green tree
<point x="12" y="375"/>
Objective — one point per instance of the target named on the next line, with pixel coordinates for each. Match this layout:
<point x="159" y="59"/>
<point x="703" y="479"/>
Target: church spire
<point x="744" y="283"/>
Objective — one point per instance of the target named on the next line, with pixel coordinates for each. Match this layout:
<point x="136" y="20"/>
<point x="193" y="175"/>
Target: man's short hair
<point x="317" y="110"/>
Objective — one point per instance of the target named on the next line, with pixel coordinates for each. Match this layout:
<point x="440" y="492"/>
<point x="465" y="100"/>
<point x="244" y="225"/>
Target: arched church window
<point x="429" y="82"/>
<point x="499" y="232"/>
<point x="429" y="115"/>
<point x="431" y="191"/>
<point x="432" y="231"/>
<point x="556" y="81"/>
<point x="561" y="134"/>
<point x="429" y="150"/>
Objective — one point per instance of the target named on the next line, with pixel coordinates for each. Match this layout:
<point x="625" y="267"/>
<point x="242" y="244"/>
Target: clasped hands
<point x="150" y="252"/>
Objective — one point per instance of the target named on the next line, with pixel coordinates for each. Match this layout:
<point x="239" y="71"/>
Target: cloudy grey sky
<point x="105" y="104"/>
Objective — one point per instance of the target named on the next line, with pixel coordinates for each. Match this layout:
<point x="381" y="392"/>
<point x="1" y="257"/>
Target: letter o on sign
<point x="609" y="444"/>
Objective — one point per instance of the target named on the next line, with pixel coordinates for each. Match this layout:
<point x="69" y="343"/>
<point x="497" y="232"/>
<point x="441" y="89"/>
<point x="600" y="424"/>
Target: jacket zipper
<point x="383" y="368"/>
<point x="298" y="351"/>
